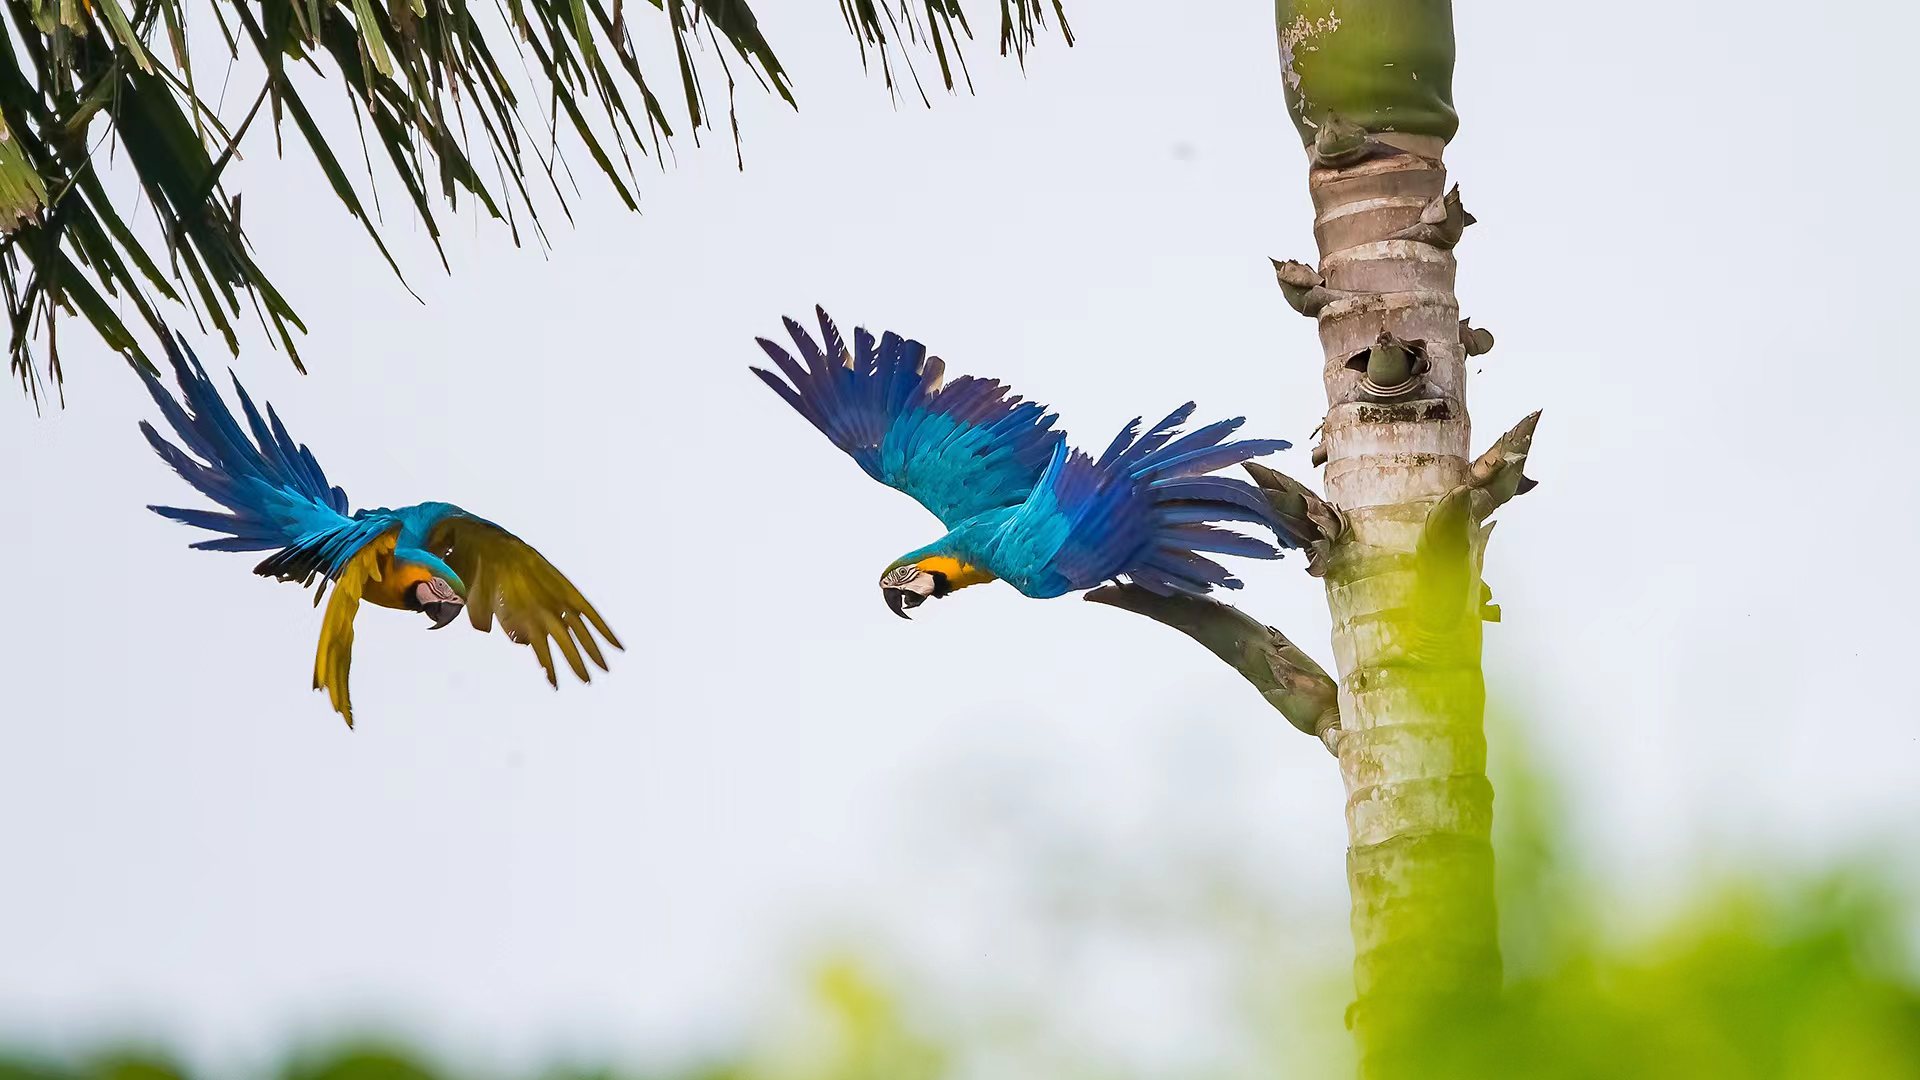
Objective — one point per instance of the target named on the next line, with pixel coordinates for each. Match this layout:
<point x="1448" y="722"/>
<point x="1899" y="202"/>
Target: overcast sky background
<point x="1709" y="613"/>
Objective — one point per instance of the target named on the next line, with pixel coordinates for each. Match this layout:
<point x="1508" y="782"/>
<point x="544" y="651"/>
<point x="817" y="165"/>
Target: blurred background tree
<point x="141" y="84"/>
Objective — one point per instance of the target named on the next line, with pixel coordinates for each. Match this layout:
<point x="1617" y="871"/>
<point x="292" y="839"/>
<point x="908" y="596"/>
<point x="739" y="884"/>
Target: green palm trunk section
<point x="1385" y="65"/>
<point x="1367" y="85"/>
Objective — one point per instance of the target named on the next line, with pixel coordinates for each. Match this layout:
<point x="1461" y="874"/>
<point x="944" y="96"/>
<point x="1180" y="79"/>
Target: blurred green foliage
<point x="1783" y="975"/>
<point x="856" y="1032"/>
<point x="1805" y="979"/>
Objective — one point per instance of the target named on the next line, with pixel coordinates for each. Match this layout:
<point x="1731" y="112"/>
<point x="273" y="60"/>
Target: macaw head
<point x="912" y="579"/>
<point x="431" y="586"/>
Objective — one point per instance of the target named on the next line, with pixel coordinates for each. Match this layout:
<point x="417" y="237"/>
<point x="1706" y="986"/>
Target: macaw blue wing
<point x="960" y="448"/>
<point x="1144" y="509"/>
<point x="276" y="495"/>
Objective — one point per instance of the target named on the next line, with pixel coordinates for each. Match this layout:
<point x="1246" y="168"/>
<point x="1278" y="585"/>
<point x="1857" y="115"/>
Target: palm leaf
<point x="82" y="80"/>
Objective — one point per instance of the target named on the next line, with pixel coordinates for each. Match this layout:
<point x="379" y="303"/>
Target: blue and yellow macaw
<point x="1019" y="506"/>
<point x="433" y="558"/>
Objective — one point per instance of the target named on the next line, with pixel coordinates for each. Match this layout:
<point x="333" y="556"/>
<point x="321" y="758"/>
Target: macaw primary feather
<point x="430" y="557"/>
<point x="1020" y="505"/>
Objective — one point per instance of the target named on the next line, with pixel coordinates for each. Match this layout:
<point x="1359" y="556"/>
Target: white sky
<point x="1708" y="614"/>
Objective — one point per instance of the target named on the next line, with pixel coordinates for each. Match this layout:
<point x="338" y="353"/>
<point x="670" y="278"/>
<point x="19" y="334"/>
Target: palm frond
<point x="940" y="27"/>
<point x="431" y="96"/>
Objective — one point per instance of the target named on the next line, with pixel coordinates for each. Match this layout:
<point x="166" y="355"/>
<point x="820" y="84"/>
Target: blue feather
<point x="275" y="493"/>
<point x="233" y="543"/>
<point x="1138" y="511"/>
<point x="1016" y="501"/>
<point x="961" y="449"/>
<point x="1208" y="458"/>
<point x="1201" y="537"/>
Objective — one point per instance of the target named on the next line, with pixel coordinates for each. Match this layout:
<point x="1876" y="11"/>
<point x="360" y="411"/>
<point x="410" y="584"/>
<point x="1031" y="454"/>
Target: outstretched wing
<point x="508" y="580"/>
<point x="960" y="449"/>
<point x="1143" y="510"/>
<point x="276" y="496"/>
<point x="335" y="654"/>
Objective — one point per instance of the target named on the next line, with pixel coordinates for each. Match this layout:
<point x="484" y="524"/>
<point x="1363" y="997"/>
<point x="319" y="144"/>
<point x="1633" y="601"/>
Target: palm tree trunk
<point x="1368" y="85"/>
<point x="1406" y="645"/>
<point x="1400" y="534"/>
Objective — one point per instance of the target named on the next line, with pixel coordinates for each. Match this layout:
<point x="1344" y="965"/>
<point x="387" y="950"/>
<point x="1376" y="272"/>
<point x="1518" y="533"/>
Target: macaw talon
<point x="900" y="601"/>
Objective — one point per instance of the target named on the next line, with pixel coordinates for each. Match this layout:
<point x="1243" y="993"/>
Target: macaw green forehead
<point x="432" y="564"/>
<point x="916" y="556"/>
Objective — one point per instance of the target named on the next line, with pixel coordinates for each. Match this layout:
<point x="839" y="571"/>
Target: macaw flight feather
<point x="432" y="557"/>
<point x="1018" y="503"/>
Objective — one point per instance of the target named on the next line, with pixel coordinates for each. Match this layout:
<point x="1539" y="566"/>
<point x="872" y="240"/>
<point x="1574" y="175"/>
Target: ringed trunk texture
<point x="1406" y="628"/>
<point x="1368" y="86"/>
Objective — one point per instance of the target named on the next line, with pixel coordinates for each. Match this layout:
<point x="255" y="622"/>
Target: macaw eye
<point x="900" y="576"/>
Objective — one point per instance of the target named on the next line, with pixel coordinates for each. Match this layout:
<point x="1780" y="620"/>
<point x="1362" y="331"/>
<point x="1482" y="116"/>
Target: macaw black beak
<point x="442" y="612"/>
<point x="900" y="601"/>
<point x="441" y="604"/>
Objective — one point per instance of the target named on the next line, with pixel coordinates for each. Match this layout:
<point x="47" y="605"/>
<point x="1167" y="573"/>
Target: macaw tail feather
<point x="1185" y="503"/>
<point x="1146" y="509"/>
<point x="275" y="494"/>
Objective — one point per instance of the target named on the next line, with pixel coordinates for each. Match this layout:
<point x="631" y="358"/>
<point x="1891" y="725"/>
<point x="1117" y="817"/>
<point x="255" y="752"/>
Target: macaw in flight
<point x="434" y="558"/>
<point x="1019" y="506"/>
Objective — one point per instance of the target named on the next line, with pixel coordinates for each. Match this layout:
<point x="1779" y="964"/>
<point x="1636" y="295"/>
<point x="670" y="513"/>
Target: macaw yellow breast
<point x="959" y="575"/>
<point x="396" y="580"/>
